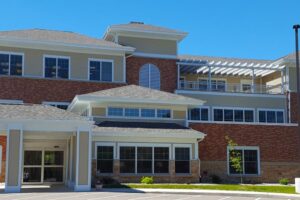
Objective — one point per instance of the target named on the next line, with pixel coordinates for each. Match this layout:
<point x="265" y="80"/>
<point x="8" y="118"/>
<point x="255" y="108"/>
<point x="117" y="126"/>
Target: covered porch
<point x="45" y="146"/>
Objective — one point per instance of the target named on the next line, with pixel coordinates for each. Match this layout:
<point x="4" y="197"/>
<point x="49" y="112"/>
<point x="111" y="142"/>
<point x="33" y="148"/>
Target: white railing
<point x="234" y="88"/>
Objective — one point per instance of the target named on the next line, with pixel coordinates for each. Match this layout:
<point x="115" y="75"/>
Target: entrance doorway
<point x="43" y="166"/>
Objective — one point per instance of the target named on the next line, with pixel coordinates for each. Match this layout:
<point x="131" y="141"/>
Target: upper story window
<point x="199" y="114"/>
<point x="56" y="67"/>
<point x="61" y="105"/>
<point x="101" y="70"/>
<point x="139" y="112"/>
<point x="270" y="116"/>
<point x="216" y="85"/>
<point x="233" y="115"/>
<point x="149" y="76"/>
<point x="11" y="64"/>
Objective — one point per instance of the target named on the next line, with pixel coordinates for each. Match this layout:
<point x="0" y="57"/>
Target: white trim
<point x="100" y="61"/>
<point x="233" y="108"/>
<point x="244" y="148"/>
<point x="105" y="144"/>
<point x="274" y="110"/>
<point x="77" y="159"/>
<point x="10" y="53"/>
<point x="244" y="123"/>
<point x="199" y="107"/>
<point x="55" y="103"/>
<point x="57" y="57"/>
<point x="9" y="101"/>
<point x="124" y="69"/>
<point x="191" y="158"/>
<point x="154" y="55"/>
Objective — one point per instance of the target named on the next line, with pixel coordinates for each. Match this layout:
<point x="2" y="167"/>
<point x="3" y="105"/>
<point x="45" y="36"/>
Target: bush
<point x="215" y="179"/>
<point x="284" y="181"/>
<point x="147" y="180"/>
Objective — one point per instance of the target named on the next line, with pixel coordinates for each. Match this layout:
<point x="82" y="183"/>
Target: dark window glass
<point x="64" y="107"/>
<point x="238" y="116"/>
<point x="53" y="174"/>
<point x="162" y="113"/>
<point x="127" y="159"/>
<point x="149" y="76"/>
<point x="246" y="87"/>
<point x="132" y="112"/>
<point x="218" y="115"/>
<point x="63" y="68"/>
<point x="94" y="70"/>
<point x="50" y="67"/>
<point x="106" y="71"/>
<point x="249" y="116"/>
<point x="279" y="117"/>
<point x="182" y="160"/>
<point x="161" y="160"/>
<point x="16" y="65"/>
<point x="204" y="114"/>
<point x="271" y="117"/>
<point x="228" y="115"/>
<point x="4" y="64"/>
<point x="262" y="116"/>
<point x="148" y="112"/>
<point x="203" y="84"/>
<point x="195" y="114"/>
<point x="32" y="174"/>
<point x="54" y="158"/>
<point x="115" y="111"/>
<point x="250" y="162"/>
<point x="232" y="170"/>
<point x="144" y="159"/>
<point x="105" y="159"/>
<point x="33" y="158"/>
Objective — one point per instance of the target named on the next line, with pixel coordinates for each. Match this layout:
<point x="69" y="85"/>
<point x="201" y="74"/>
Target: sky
<point x="259" y="29"/>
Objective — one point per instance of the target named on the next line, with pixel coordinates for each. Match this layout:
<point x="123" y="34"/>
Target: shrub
<point x="147" y="180"/>
<point x="284" y="181"/>
<point x="215" y="179"/>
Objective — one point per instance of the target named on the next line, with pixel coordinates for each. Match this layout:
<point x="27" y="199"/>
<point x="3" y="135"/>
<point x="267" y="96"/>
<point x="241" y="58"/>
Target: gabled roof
<point x="288" y="58"/>
<point x="138" y="94"/>
<point x="37" y="112"/>
<point x="59" y="38"/>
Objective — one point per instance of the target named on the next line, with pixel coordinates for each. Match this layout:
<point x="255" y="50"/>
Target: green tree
<point x="235" y="157"/>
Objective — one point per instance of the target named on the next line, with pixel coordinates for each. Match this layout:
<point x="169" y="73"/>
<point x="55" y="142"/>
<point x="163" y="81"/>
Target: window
<point x="149" y="76"/>
<point x="163" y="113"/>
<point x="61" y="105"/>
<point x="56" y="67"/>
<point x="100" y="70"/>
<point x="250" y="160"/>
<point x="182" y="160"/>
<point x="218" y="85"/>
<point x="271" y="116"/>
<point x="203" y="84"/>
<point x="145" y="112"/>
<point x="10" y="102"/>
<point x="127" y="159"/>
<point x="182" y="81"/>
<point x="132" y="112"/>
<point x="11" y="64"/>
<point x="118" y="112"/>
<point x="105" y="159"/>
<point x="233" y="115"/>
<point x="246" y="87"/>
<point x="161" y="160"/>
<point x="144" y="159"/>
<point x="199" y="114"/>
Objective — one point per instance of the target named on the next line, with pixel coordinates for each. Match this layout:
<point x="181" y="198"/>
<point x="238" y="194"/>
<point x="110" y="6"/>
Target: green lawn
<point x="236" y="187"/>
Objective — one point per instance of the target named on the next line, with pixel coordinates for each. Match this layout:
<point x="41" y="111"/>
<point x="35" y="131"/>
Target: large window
<point x="271" y="116"/>
<point x="216" y="85"/>
<point x="163" y="113"/>
<point x="249" y="160"/>
<point x="139" y="112"/>
<point x="233" y="115"/>
<point x="182" y="160"/>
<point x="100" y="70"/>
<point x="144" y="159"/>
<point x="149" y="76"/>
<point x="56" y="67"/>
<point x="105" y="159"/>
<point x="114" y="111"/>
<point x="199" y="114"/>
<point x="11" y="64"/>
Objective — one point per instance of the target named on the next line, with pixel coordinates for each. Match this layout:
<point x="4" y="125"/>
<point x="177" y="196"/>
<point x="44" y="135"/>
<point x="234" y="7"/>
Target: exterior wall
<point x="179" y="114"/>
<point x="167" y="67"/>
<point x="98" y="111"/>
<point x="147" y="45"/>
<point x="279" y="148"/>
<point x="33" y="62"/>
<point x="3" y="144"/>
<point x="292" y="77"/>
<point x="14" y="158"/>
<point x="38" y="90"/>
<point x="83" y="163"/>
<point x="294" y="109"/>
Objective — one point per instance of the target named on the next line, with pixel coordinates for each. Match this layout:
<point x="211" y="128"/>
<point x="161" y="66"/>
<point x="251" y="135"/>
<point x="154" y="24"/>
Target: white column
<point x="282" y="82"/>
<point x="178" y="77"/>
<point x="209" y="78"/>
<point x="253" y="82"/>
<point x="196" y="151"/>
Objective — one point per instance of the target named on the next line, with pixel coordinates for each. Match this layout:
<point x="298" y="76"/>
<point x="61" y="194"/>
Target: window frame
<point x="273" y="110"/>
<point x="149" y="66"/>
<point x="9" y="53"/>
<point x="56" y="57"/>
<point x="243" y="148"/>
<point x="104" y="144"/>
<point x="56" y="103"/>
<point x="233" y="108"/>
<point x="191" y="156"/>
<point x="212" y="79"/>
<point x="200" y="107"/>
<point x="140" y="113"/>
<point x="101" y="60"/>
<point x="11" y="102"/>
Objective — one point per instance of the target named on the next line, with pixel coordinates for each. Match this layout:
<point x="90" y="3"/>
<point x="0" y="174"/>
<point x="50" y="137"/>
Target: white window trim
<point x="101" y="60"/>
<point x="105" y="144"/>
<point x="182" y="146"/>
<point x="233" y="108"/>
<point x="213" y="79"/>
<point x="56" y="57"/>
<point x="271" y="109"/>
<point x="9" y="101"/>
<point x="55" y="103"/>
<point x="244" y="148"/>
<point x="9" y="53"/>
<point x="200" y="107"/>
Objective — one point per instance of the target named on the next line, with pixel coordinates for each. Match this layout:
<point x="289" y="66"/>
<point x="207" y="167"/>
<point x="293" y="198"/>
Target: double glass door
<point x="43" y="166"/>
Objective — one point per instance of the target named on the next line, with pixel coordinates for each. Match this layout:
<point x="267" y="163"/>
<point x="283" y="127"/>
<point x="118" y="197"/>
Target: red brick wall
<point x="168" y="71"/>
<point x="294" y="107"/>
<point x="3" y="144"/>
<point x="276" y="143"/>
<point x="37" y="90"/>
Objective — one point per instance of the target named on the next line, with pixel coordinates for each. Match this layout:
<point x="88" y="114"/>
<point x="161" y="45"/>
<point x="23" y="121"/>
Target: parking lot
<point x="122" y="196"/>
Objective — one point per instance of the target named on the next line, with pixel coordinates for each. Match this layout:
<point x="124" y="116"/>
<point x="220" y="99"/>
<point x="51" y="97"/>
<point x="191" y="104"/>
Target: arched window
<point x="150" y="76"/>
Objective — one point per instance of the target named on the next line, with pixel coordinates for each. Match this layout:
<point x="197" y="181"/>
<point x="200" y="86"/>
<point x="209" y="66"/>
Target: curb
<point x="203" y="192"/>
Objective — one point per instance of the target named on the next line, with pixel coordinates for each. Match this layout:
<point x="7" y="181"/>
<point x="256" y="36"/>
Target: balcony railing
<point x="233" y="88"/>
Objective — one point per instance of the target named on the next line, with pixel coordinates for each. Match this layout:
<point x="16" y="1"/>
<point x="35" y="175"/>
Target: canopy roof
<point x="226" y="66"/>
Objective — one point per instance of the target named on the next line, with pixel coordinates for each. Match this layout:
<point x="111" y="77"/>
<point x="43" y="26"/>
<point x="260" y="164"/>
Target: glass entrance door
<point x="42" y="166"/>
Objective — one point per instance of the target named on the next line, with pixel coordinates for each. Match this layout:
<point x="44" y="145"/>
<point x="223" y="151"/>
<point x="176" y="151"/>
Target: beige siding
<point x="14" y="156"/>
<point x="98" y="111"/>
<point x="178" y="114"/>
<point x="154" y="46"/>
<point x="33" y="62"/>
<point x="74" y="158"/>
<point x="83" y="171"/>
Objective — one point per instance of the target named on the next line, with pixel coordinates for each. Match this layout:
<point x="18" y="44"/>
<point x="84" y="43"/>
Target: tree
<point x="235" y="157"/>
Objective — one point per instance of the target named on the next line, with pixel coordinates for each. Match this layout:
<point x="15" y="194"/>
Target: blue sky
<point x="259" y="29"/>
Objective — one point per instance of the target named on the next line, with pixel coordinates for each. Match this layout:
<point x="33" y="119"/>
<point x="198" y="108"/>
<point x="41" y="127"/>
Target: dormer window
<point x="100" y="70"/>
<point x="56" y="67"/>
<point x="150" y="76"/>
<point x="11" y="64"/>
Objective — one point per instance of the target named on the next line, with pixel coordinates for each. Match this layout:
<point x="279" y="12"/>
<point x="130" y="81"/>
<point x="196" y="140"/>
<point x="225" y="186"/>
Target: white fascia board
<point x="69" y="47"/>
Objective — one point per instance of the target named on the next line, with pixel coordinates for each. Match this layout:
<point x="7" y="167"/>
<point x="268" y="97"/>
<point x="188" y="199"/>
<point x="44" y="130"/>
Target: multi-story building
<point x="135" y="108"/>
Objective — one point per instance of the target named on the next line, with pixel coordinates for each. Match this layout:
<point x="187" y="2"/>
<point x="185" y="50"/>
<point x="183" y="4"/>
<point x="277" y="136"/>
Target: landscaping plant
<point x="284" y="181"/>
<point x="235" y="157"/>
<point x="147" y="180"/>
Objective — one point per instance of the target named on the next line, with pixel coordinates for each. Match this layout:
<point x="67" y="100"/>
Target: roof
<point x="134" y="93"/>
<point x="37" y="112"/>
<point x="59" y="37"/>
<point x="229" y="66"/>
<point x="290" y="57"/>
<point x="146" y="129"/>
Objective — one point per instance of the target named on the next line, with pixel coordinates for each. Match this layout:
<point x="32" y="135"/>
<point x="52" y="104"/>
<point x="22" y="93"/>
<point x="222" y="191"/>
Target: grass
<point x="233" y="187"/>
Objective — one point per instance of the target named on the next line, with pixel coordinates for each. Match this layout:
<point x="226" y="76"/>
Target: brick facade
<point x="167" y="67"/>
<point x="279" y="149"/>
<point x="294" y="108"/>
<point x="3" y="144"/>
